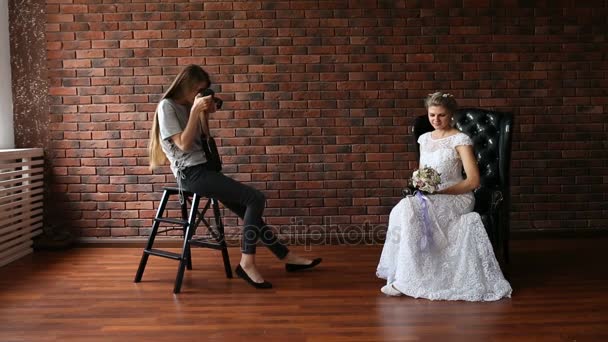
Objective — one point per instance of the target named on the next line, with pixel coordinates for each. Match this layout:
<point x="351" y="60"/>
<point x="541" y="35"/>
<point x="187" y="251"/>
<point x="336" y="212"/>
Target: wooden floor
<point x="88" y="294"/>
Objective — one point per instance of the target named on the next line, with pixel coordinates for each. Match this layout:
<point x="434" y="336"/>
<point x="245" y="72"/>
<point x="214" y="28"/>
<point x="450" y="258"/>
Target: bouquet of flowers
<point x="426" y="179"/>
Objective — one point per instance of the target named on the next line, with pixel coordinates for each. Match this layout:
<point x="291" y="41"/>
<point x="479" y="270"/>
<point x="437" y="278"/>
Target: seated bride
<point x="436" y="246"/>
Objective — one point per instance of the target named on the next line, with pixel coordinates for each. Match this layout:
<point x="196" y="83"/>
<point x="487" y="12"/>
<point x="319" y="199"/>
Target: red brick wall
<point x="320" y="96"/>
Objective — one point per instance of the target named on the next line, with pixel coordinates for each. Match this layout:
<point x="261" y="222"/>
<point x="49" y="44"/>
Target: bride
<point x="459" y="264"/>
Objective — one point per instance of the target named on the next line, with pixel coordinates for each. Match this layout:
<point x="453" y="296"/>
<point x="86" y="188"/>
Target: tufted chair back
<point x="490" y="132"/>
<point x="491" y="135"/>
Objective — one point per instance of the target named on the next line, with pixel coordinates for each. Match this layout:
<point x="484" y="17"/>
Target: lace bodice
<point x="441" y="155"/>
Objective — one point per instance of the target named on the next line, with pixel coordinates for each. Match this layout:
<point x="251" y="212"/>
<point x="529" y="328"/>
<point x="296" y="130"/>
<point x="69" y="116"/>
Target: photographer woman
<point x="179" y="127"/>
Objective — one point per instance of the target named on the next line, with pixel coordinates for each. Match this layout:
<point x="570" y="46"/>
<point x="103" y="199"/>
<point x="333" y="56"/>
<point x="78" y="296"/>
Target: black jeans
<point x="245" y="201"/>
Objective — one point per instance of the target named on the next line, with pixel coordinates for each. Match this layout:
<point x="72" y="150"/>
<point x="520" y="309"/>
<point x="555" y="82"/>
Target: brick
<point x="133" y="43"/>
<point x="93" y="26"/>
<point x="91" y="35"/>
<point x="104" y="44"/>
<point x="77" y="63"/>
<point x="60" y="18"/>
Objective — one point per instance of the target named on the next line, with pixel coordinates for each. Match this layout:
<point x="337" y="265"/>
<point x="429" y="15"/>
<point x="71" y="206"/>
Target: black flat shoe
<point x="295" y="267"/>
<point x="242" y="274"/>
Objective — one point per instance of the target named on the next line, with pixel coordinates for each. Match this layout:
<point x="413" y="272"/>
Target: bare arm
<point x="185" y="139"/>
<point x="470" y="168"/>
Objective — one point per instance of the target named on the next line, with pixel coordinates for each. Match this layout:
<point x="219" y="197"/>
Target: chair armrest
<point x="497" y="199"/>
<point x="408" y="191"/>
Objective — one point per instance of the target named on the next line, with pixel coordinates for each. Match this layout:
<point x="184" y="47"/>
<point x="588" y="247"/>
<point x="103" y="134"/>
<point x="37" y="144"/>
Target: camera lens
<point x="218" y="102"/>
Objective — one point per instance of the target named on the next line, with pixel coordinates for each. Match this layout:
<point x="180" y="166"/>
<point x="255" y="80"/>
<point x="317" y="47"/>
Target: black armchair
<point x="491" y="135"/>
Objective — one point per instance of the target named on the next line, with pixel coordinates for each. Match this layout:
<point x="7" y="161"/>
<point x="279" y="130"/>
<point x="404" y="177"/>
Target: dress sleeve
<point x="422" y="138"/>
<point x="167" y="120"/>
<point x="462" y="139"/>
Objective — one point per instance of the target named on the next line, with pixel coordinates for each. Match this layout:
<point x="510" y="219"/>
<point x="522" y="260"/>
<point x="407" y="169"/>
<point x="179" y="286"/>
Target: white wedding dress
<point x="460" y="263"/>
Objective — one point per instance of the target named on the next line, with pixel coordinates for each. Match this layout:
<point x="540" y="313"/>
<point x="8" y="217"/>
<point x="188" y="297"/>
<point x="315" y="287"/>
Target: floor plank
<point x="88" y="294"/>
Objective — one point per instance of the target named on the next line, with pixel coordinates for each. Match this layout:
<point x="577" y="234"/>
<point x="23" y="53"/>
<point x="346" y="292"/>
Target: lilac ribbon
<point x="426" y="241"/>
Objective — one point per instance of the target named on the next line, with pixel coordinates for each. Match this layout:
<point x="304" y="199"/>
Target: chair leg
<point x="185" y="218"/>
<point x="144" y="258"/>
<point x="506" y="249"/>
<point x="155" y="225"/>
<point x="222" y="239"/>
<point x="186" y="246"/>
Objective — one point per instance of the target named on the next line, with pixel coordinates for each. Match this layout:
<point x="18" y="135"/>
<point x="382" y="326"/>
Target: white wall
<point x="7" y="133"/>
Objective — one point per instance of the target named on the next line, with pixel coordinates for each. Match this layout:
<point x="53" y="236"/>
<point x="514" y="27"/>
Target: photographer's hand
<point x="185" y="139"/>
<point x="201" y="105"/>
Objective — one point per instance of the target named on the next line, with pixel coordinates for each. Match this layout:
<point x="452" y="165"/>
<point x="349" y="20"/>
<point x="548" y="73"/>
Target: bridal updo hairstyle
<point x="439" y="99"/>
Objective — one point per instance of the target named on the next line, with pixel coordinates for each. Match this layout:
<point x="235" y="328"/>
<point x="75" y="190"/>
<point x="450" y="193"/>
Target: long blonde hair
<point x="185" y="80"/>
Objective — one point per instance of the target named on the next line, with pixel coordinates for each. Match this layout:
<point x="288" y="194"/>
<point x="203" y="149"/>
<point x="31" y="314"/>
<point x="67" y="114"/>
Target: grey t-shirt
<point x="172" y="119"/>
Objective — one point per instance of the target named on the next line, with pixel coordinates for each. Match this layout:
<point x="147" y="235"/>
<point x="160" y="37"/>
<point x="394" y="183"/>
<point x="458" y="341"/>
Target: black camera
<point x="217" y="100"/>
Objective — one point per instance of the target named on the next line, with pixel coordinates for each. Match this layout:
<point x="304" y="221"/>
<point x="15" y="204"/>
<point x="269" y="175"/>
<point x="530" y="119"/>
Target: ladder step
<point x="163" y="254"/>
<point x="172" y="221"/>
<point x="175" y="191"/>
<point x="206" y="242"/>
